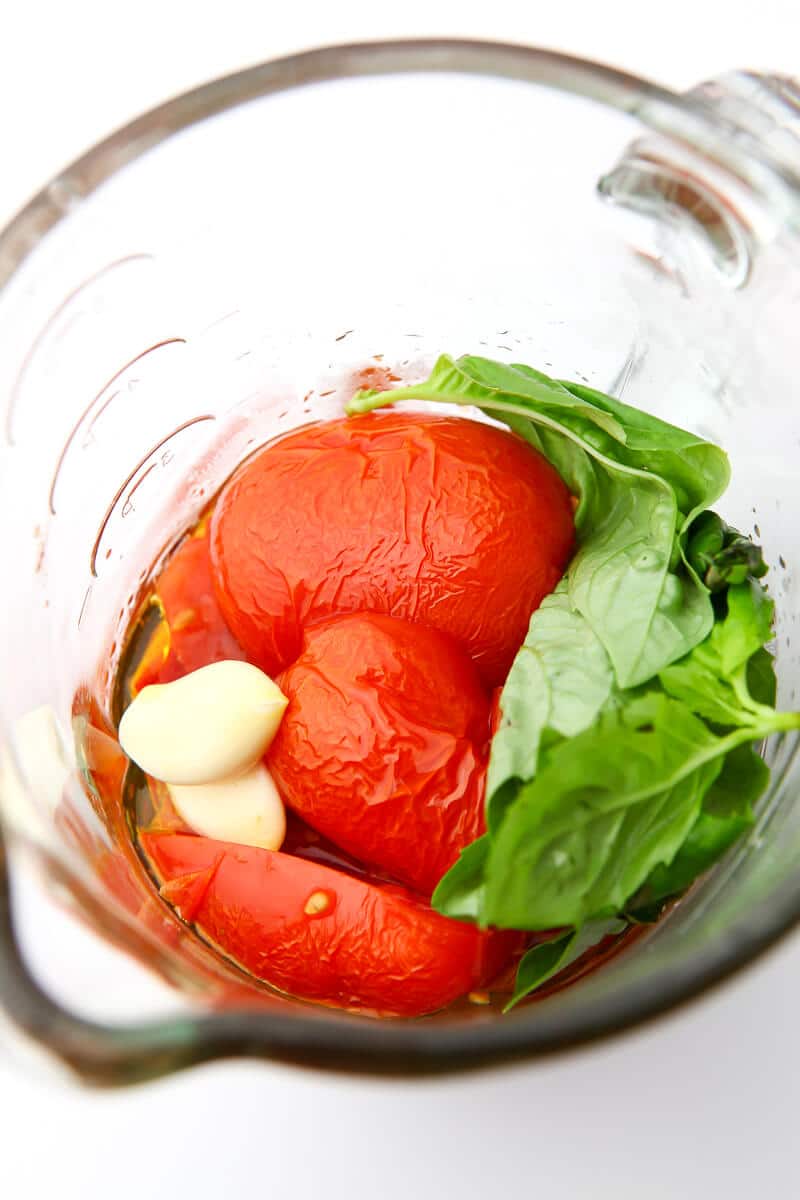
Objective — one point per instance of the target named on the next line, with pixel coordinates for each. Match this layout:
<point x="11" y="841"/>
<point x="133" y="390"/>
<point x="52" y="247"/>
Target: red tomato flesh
<point x="383" y="745"/>
<point x="443" y="521"/>
<point x="388" y="565"/>
<point x="321" y="934"/>
<point x="198" y="634"/>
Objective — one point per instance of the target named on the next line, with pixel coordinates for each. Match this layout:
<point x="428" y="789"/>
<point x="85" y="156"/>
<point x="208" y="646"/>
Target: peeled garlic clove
<point x="245" y="809"/>
<point x="215" y="722"/>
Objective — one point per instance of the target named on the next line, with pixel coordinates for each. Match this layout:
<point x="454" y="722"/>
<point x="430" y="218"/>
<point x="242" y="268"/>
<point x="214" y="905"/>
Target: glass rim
<point x="128" y="1053"/>
<point x="679" y="115"/>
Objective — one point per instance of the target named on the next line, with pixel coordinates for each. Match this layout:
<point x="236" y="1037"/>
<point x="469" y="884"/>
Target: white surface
<point x="701" y="1105"/>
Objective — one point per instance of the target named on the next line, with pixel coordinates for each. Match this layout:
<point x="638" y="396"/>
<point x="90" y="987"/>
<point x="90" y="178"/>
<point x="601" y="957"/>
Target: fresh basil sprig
<point x="624" y="765"/>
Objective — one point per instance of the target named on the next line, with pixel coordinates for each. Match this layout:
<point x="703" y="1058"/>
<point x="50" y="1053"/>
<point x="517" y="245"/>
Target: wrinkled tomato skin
<point x="445" y="521"/>
<point x="383" y="745"/>
<point x="495" y="711"/>
<point x="198" y="634"/>
<point x="374" y="947"/>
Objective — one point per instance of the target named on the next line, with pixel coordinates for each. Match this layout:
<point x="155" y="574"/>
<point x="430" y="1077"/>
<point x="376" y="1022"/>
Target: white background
<point x="703" y="1104"/>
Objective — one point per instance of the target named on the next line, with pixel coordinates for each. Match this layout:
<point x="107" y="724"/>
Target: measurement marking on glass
<point x="48" y="325"/>
<point x="129" y="479"/>
<point x="174" y="341"/>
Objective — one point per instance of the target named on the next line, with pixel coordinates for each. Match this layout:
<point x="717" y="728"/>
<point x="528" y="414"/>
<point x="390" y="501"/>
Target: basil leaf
<point x="459" y="894"/>
<point x="746" y="628"/>
<point x="473" y="380"/>
<point x="705" y="542"/>
<point x="582" y="475"/>
<point x="760" y="678"/>
<point x="712" y="678"/>
<point x="727" y="813"/>
<point x="604" y="809"/>
<point x="742" y="780"/>
<point x="696" y="470"/>
<point x="705" y="844"/>
<point x="546" y="959"/>
<point x="722" y="556"/>
<point x="696" y="680"/>
<point x="620" y="579"/>
<point x="560" y="679"/>
<point x="738" y="561"/>
<point x="645" y="614"/>
<point x="539" y="963"/>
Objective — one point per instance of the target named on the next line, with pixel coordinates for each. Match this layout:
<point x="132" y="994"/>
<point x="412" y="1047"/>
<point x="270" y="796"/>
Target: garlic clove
<point x="213" y="723"/>
<point x="246" y="809"/>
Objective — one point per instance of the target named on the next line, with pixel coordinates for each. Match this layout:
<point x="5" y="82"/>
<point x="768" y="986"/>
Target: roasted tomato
<point x="383" y="745"/>
<point x="495" y="711"/>
<point x="195" y="633"/>
<point x="445" y="521"/>
<point x="321" y="934"/>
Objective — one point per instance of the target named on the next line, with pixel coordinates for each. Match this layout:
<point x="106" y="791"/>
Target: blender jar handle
<point x="761" y="111"/>
<point x="736" y="215"/>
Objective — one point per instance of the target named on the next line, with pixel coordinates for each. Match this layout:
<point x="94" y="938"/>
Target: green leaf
<point x="726" y="814"/>
<point x="651" y="831"/>
<point x="746" y="628"/>
<point x="713" y="678"/>
<point x="705" y="541"/>
<point x="760" y="678"/>
<point x="582" y="475"/>
<point x="540" y="963"/>
<point x="459" y="894"/>
<point x="742" y="780"/>
<point x="547" y="959"/>
<point x="696" y="680"/>
<point x="696" y="470"/>
<point x="722" y="556"/>
<point x="645" y="614"/>
<point x="604" y="809"/>
<point x="560" y="679"/>
<point x="472" y="380"/>
<point x="622" y="579"/>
